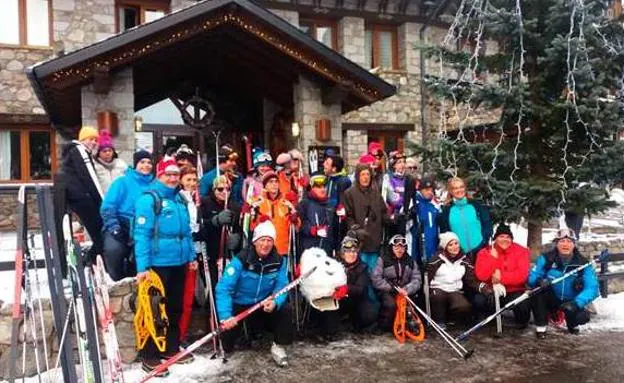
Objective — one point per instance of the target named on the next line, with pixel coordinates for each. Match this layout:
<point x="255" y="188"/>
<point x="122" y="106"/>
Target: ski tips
<point x="468" y="354"/>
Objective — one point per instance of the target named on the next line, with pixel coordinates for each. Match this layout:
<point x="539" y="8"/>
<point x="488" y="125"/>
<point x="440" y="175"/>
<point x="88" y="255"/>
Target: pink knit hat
<point x="105" y="141"/>
<point x="366" y="159"/>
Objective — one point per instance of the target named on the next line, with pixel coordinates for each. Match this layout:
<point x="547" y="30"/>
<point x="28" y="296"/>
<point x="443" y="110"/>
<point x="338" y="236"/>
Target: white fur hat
<point x="446" y="238"/>
<point x="264" y="229"/>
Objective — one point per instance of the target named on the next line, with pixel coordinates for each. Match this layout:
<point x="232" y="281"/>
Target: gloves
<point x="292" y="197"/>
<point x="499" y="290"/>
<point x="246" y="208"/>
<point x="293" y="218"/>
<point x="319" y="231"/>
<point x="485" y="289"/>
<point x="233" y="241"/>
<point x="341" y="211"/>
<point x="569" y="306"/>
<point x="340" y="292"/>
<point x="223" y="218"/>
<point x="544" y="282"/>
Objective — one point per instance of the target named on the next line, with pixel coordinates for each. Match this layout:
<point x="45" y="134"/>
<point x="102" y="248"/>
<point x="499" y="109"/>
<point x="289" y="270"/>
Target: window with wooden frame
<point x="130" y="13"/>
<point x="27" y="153"/>
<point x="381" y="46"/>
<point x="26" y="23"/>
<point x="321" y="30"/>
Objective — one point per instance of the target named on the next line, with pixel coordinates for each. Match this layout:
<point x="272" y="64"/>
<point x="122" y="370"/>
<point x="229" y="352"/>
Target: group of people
<point x="383" y="222"/>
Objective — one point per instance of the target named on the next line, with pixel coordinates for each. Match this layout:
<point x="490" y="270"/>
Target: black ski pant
<point x="89" y="213"/>
<point x="117" y="257"/>
<point x="484" y="304"/>
<point x="362" y="312"/>
<point x="547" y="302"/>
<point x="279" y="322"/>
<point x="327" y="321"/>
<point x="445" y="304"/>
<point x="387" y="311"/>
<point x="172" y="278"/>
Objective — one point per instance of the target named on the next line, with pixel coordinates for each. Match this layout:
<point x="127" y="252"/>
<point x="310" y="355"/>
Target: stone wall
<point x="16" y="94"/>
<point x="8" y="212"/>
<point x="78" y="23"/>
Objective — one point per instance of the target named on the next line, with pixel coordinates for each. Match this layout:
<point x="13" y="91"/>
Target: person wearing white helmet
<point x="253" y="275"/>
<point x="570" y="296"/>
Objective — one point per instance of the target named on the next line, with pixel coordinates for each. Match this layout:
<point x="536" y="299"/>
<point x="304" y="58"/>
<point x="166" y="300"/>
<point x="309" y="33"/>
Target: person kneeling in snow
<point x="361" y="311"/>
<point x="572" y="294"/>
<point x="252" y="276"/>
<point x="451" y="273"/>
<point x="395" y="268"/>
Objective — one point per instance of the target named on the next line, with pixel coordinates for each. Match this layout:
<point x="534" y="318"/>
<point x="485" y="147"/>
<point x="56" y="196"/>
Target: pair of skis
<point x="23" y="265"/>
<point x="91" y="306"/>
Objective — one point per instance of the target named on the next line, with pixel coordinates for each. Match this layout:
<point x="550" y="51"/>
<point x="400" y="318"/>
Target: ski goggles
<point x="565" y="233"/>
<point x="349" y="243"/>
<point x="264" y="158"/>
<point x="318" y="180"/>
<point x="398" y="240"/>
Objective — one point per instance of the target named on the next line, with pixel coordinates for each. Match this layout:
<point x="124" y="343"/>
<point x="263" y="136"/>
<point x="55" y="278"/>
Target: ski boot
<point x="279" y="355"/>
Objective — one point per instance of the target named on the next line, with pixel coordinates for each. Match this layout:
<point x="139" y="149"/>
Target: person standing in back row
<point x="467" y="218"/>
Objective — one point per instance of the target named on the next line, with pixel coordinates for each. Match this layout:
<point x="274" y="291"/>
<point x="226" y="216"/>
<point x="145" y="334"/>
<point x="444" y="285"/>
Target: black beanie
<point x="503" y="229"/>
<point x="139" y="155"/>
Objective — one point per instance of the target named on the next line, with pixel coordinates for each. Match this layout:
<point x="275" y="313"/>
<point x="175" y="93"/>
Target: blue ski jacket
<point x="162" y="238"/>
<point x="425" y="215"/>
<point x="117" y="209"/>
<point x="336" y="186"/>
<point x="551" y="265"/>
<point x="248" y="279"/>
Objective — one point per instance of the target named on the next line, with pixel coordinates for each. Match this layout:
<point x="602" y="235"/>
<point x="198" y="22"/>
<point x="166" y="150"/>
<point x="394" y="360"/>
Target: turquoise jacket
<point x="118" y="205"/>
<point x="565" y="290"/>
<point x="162" y="239"/>
<point x="248" y="279"/>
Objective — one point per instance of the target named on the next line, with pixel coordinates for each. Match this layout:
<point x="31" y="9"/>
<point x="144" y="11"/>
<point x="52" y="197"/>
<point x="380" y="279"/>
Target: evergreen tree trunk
<point x="534" y="237"/>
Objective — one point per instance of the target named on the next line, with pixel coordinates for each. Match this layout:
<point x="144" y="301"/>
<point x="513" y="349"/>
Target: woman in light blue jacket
<point x="163" y="243"/>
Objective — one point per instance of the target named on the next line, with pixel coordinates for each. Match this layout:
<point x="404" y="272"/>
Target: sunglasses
<point x="398" y="242"/>
<point x="318" y="181"/>
<point x="221" y="189"/>
<point x="412" y="167"/>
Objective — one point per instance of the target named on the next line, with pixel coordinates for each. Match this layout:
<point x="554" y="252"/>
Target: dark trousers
<point x="279" y="322"/>
<point x="362" y="312"/>
<point x="89" y="213"/>
<point x="445" y="304"/>
<point x="172" y="278"/>
<point x="387" y="311"/>
<point x="117" y="258"/>
<point x="484" y="304"/>
<point x="327" y="321"/>
<point x="547" y="302"/>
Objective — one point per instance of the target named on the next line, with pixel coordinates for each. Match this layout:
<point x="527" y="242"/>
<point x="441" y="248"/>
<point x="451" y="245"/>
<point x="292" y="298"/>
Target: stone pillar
<point x="120" y="100"/>
<point x="290" y="16"/>
<point x="308" y="109"/>
<point x="351" y="39"/>
<point x="409" y="54"/>
<point x="354" y="144"/>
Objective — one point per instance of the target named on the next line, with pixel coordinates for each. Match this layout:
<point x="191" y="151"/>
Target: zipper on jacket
<point x="259" y="283"/>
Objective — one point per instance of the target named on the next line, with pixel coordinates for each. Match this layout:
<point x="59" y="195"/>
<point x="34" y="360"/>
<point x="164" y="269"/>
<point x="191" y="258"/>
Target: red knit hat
<point x="366" y="159"/>
<point x="166" y="165"/>
<point x="268" y="176"/>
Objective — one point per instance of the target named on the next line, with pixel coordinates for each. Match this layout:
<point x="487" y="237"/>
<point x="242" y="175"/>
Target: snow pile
<point x="203" y="369"/>
<point x="610" y="313"/>
<point x="617" y="195"/>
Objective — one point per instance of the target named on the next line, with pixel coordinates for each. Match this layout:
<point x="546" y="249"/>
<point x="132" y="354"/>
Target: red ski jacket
<point x="513" y="264"/>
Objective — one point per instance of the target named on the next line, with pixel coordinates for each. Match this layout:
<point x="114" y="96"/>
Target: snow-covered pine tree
<point x="556" y="80"/>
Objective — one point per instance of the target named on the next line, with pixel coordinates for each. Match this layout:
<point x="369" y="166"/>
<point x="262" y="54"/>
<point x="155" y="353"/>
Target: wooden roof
<point x="233" y="44"/>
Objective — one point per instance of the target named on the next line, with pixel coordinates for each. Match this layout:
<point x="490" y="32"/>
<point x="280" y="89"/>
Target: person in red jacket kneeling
<point x="503" y="269"/>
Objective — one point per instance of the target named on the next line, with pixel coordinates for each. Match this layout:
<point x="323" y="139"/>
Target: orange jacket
<point x="278" y="210"/>
<point x="291" y="183"/>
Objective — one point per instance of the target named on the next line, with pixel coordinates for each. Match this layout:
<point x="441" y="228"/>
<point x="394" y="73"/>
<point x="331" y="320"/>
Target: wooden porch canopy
<point x="222" y="44"/>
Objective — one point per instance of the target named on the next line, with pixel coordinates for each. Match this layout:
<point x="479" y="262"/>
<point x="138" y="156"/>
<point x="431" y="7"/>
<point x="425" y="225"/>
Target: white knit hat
<point x="264" y="229"/>
<point x="446" y="238"/>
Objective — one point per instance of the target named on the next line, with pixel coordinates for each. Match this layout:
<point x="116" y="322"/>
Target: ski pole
<point x="499" y="320"/>
<point x="239" y="317"/>
<point x="526" y="295"/>
<point x="456" y="346"/>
